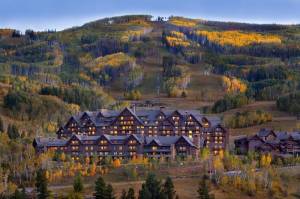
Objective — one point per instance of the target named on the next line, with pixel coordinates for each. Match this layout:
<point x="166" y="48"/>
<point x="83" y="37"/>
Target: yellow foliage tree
<point x="204" y="153"/>
<point x="233" y="85"/>
<point x="47" y="174"/>
<point x="63" y="157"/>
<point x="265" y="160"/>
<point x="116" y="163"/>
<point x="93" y="169"/>
<point x="183" y="22"/>
<point x="237" y="38"/>
<point x="113" y="60"/>
<point x="175" y="41"/>
<point x="237" y="182"/>
<point x="218" y="164"/>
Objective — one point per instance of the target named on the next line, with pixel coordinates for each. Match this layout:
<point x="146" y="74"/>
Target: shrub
<point x="230" y="101"/>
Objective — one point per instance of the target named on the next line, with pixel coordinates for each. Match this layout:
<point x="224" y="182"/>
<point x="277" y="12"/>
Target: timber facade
<point x="269" y="141"/>
<point x="127" y="133"/>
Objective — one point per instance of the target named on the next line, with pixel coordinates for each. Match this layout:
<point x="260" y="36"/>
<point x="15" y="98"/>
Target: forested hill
<point x="179" y="62"/>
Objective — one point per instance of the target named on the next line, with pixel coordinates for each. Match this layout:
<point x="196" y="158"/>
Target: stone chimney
<point x="196" y="141"/>
<point x="132" y="107"/>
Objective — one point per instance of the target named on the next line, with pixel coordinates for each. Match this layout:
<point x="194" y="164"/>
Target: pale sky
<point x="61" y="14"/>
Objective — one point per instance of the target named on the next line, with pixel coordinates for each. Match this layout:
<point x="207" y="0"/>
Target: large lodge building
<point x="128" y="133"/>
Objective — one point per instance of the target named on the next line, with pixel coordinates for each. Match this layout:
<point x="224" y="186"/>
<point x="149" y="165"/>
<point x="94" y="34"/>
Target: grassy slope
<point x="203" y="90"/>
<point x="186" y="187"/>
<point x="209" y="86"/>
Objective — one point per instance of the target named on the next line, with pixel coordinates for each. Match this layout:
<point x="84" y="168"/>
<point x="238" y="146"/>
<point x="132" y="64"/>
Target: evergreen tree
<point x="109" y="192"/>
<point x="183" y="94"/>
<point x="203" y="189"/>
<point x="154" y="186"/>
<point x="168" y="188"/>
<point x="124" y="194"/>
<point x="151" y="188"/>
<point x="13" y="132"/>
<point x="144" y="193"/>
<point x="130" y="194"/>
<point x="18" y="195"/>
<point x="41" y="184"/>
<point x="1" y="125"/>
<point x="78" y="185"/>
<point x="100" y="188"/>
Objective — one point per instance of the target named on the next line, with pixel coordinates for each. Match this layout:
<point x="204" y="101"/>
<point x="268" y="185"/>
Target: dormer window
<point x="103" y="142"/>
<point x="182" y="148"/>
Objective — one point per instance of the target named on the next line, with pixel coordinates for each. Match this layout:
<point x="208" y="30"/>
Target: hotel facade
<point x="145" y="132"/>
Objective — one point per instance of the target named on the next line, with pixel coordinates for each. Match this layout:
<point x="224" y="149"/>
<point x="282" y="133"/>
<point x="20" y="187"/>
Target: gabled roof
<point x="41" y="142"/>
<point x="112" y="138"/>
<point x="265" y="132"/>
<point x="75" y="118"/>
<point x="139" y="138"/>
<point x="106" y="117"/>
<point x="282" y="135"/>
<point x="108" y="113"/>
<point x="187" y="139"/>
<point x="167" y="140"/>
<point x="154" y="140"/>
<point x="255" y="137"/>
<point x="149" y="115"/>
<point x="132" y="113"/>
<point x="87" y="138"/>
<point x="295" y="136"/>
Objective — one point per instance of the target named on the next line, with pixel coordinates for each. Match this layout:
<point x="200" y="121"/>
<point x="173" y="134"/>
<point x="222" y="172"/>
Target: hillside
<point x="247" y="74"/>
<point x="180" y="62"/>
